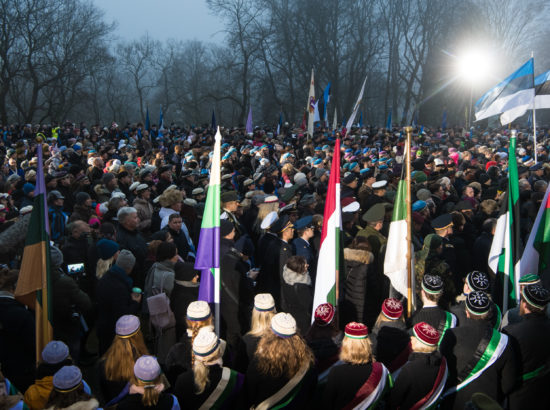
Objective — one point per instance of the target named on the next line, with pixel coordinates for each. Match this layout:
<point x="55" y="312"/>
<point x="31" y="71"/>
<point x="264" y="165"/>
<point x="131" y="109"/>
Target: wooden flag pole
<point x="408" y="130"/>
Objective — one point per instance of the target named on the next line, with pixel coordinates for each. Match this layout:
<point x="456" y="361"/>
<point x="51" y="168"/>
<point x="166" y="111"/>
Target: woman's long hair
<point x="122" y="355"/>
<point x="356" y="351"/>
<point x="282" y="357"/>
<point x="383" y="318"/>
<point x="151" y="392"/>
<point x="264" y="209"/>
<point x="260" y="322"/>
<point x="201" y="369"/>
<point x="193" y="327"/>
<point x="59" y="400"/>
<point x="103" y="265"/>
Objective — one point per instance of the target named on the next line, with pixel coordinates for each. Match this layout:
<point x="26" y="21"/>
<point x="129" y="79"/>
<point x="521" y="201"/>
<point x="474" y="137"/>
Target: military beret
<point x="375" y="213"/>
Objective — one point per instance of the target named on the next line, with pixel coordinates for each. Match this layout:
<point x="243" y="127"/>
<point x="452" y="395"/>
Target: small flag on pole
<point x="161" y="119"/>
<point x="349" y="124"/>
<point x="389" y="121"/>
<point x="326" y="99"/>
<point x="147" y="121"/>
<point x="329" y="252"/>
<point x="311" y="105"/>
<point x="213" y="123"/>
<point x="34" y="283"/>
<point x="280" y="123"/>
<point x="249" y="128"/>
<point x="208" y="250"/>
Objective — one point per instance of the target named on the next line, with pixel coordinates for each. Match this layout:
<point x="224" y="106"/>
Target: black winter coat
<point x="17" y="342"/>
<point x="362" y="288"/>
<point x="134" y="242"/>
<point x="297" y="298"/>
<point x="114" y="300"/>
<point x="530" y="339"/>
<point x="416" y="379"/>
<point x="459" y="346"/>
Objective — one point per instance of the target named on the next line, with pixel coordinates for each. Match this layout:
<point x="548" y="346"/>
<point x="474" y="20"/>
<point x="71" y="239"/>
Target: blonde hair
<point x="173" y="196"/>
<point x="103" y="265"/>
<point x="287" y="169"/>
<point x="264" y="209"/>
<point x="356" y="351"/>
<point x="418" y="346"/>
<point x="278" y="356"/>
<point x="261" y="321"/>
<point x="122" y="355"/>
<point x="151" y="394"/>
<point x="193" y="327"/>
<point x="383" y="318"/>
<point x="201" y="369"/>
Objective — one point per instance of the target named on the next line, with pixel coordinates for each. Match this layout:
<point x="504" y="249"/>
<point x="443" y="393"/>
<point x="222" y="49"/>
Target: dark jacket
<point x="185" y="291"/>
<point x="134" y="402"/>
<point x="236" y="296"/>
<point x="81" y="213"/>
<point x="462" y="347"/>
<point x="434" y="316"/>
<point x="297" y="297"/>
<point x="114" y="300"/>
<point x="362" y="289"/>
<point x="416" y="379"/>
<point x="134" y="242"/>
<point x="17" y="342"/>
<point x="185" y="389"/>
<point x="271" y="271"/>
<point x="530" y="339"/>
<point x="391" y="344"/>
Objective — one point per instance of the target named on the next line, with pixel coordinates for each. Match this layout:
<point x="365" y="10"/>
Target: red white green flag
<point x="329" y="251"/>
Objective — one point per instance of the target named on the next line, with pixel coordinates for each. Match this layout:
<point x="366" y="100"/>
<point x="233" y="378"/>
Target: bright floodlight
<point x="473" y="66"/>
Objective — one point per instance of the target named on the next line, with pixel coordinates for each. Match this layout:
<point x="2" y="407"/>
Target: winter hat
<point x="536" y="296"/>
<point x="56" y="256"/>
<point x="264" y="302"/>
<point x="477" y="302"/>
<point x="126" y="260"/>
<point x="28" y="188"/>
<point x="477" y="280"/>
<point x="147" y="368"/>
<point x="108" y="177"/>
<point x="432" y="284"/>
<point x="225" y="227"/>
<point x="106" y="248"/>
<point x="423" y="194"/>
<point x="205" y="343"/>
<point x="127" y="325"/>
<point x="283" y="325"/>
<point x="55" y="352"/>
<point x="67" y="379"/>
<point x="419" y="206"/>
<point x="426" y="334"/>
<point x="356" y="330"/>
<point x="198" y="311"/>
<point x="81" y="197"/>
<point x="324" y="314"/>
<point x="392" y="308"/>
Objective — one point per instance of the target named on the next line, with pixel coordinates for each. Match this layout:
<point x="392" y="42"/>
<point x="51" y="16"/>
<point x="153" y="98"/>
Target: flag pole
<point x="534" y="111"/>
<point x="408" y="130"/>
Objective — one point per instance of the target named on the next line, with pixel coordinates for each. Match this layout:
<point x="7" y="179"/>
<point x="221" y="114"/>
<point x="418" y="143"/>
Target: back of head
<point x="126" y="260"/>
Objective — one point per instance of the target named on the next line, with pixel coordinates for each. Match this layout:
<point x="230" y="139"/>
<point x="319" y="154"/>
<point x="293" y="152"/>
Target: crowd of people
<point x="125" y="207"/>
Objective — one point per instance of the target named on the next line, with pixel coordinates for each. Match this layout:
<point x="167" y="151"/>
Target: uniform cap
<point x="55" y="352"/>
<point x="147" y="368"/>
<point x="432" y="284"/>
<point x="67" y="378"/>
<point x="264" y="302"/>
<point x="536" y="295"/>
<point x="477" y="302"/>
<point x="206" y="342"/>
<point x="198" y="311"/>
<point x="269" y="219"/>
<point x="478" y="281"/>
<point x="127" y="325"/>
<point x="375" y="213"/>
<point x="283" y="325"/>
<point x="356" y="330"/>
<point x="426" y="333"/>
<point x="324" y="314"/>
<point x="392" y="308"/>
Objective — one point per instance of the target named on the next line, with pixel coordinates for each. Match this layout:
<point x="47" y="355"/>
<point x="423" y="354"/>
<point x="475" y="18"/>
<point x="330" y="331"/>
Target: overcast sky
<point x="162" y="19"/>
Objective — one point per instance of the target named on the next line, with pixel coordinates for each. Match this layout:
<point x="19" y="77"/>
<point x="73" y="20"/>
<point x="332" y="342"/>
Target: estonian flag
<point x="511" y="98"/>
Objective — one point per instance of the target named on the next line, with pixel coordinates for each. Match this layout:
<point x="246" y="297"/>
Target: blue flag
<point x="415" y="119"/>
<point x="147" y="121"/>
<point x="213" y="120"/>
<point x="280" y="124"/>
<point x="444" y="120"/>
<point x="326" y="98"/>
<point x="361" y="119"/>
<point x="389" y="122"/>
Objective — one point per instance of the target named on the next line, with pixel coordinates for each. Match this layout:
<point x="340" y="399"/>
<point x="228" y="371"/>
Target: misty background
<point x="104" y="61"/>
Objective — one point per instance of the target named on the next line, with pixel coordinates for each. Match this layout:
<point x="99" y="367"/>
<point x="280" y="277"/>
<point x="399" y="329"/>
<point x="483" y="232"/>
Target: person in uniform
<point x="360" y="382"/>
<point x="422" y="379"/>
<point x="301" y="246"/>
<point x="479" y="357"/>
<point x="512" y="315"/>
<point x="475" y="280"/>
<point x="374" y="218"/>
<point x="275" y="258"/>
<point x="230" y="203"/>
<point x="377" y="196"/>
<point x="431" y="313"/>
<point x="267" y="238"/>
<point x="443" y="227"/>
<point x="530" y="338"/>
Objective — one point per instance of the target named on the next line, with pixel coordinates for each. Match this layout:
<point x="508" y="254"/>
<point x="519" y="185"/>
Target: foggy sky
<point x="162" y="19"/>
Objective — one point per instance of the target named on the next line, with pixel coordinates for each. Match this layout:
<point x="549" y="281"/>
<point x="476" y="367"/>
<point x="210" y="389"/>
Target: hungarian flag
<point x="395" y="262"/>
<point x="34" y="283"/>
<point x="329" y="251"/>
<point x="505" y="253"/>
<point x="208" y="250"/>
<point x="536" y="256"/>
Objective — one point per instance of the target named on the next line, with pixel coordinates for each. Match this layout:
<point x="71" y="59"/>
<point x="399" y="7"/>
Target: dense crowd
<point x="125" y="206"/>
